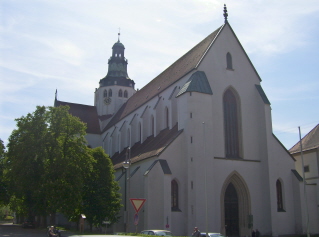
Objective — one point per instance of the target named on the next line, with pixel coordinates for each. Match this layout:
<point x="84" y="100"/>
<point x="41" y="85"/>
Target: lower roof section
<point x="152" y="146"/>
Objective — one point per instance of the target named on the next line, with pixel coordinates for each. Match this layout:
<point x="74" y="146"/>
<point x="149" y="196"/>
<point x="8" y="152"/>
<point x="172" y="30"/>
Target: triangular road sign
<point x="137" y="203"/>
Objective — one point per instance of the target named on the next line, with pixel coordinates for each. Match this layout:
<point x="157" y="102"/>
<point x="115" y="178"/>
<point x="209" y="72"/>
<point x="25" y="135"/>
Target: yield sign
<point x="137" y="203"/>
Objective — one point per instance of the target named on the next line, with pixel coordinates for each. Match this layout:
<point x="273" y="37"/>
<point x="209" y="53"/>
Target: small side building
<point x="310" y="153"/>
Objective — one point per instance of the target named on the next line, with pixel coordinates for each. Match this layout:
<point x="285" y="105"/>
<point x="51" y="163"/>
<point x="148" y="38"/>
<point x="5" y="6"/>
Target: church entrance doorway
<point x="231" y="211"/>
<point x="235" y="206"/>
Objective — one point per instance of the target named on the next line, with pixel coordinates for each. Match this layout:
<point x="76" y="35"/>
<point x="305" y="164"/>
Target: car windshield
<point x="163" y="233"/>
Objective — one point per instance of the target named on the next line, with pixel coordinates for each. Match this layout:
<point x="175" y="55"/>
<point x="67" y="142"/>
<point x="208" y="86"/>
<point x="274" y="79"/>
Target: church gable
<point x="226" y="56"/>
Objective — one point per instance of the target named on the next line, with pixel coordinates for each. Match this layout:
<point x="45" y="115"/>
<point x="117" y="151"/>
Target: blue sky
<point x="65" y="45"/>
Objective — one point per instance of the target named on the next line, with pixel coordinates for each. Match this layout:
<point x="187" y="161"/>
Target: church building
<point x="197" y="144"/>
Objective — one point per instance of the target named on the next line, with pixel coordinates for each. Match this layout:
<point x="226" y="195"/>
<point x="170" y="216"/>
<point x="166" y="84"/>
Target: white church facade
<point x="200" y="145"/>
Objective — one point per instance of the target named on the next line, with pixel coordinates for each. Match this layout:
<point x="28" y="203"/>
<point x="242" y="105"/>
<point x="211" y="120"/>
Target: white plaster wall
<point x="281" y="165"/>
<point x="264" y="159"/>
<point x="253" y="123"/>
<point x="116" y="102"/>
<point x="310" y="158"/>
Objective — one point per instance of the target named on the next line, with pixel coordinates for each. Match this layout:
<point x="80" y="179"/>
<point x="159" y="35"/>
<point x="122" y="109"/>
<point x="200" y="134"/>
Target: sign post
<point x="137" y="204"/>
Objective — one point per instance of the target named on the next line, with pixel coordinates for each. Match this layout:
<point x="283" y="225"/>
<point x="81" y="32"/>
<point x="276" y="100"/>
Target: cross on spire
<point x="119" y="34"/>
<point x="225" y="13"/>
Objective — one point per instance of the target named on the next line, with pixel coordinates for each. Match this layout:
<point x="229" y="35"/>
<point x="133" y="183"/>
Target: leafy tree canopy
<point x="47" y="162"/>
<point x="3" y="188"/>
<point x="101" y="199"/>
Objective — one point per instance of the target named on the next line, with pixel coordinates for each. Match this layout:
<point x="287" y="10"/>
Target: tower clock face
<point x="107" y="100"/>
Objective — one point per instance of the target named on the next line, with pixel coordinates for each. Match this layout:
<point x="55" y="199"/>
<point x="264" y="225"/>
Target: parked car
<point x="29" y="223"/>
<point x="157" y="232"/>
<point x="203" y="234"/>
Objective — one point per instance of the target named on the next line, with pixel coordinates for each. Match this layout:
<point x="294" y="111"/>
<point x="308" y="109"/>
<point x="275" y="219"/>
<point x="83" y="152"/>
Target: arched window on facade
<point x="110" y="147"/>
<point x="120" y="93"/>
<point x="105" y="93"/>
<point x="167" y="118"/>
<point x="110" y="93"/>
<point x="140" y="132"/>
<point x="231" y="125"/>
<point x="174" y="196"/>
<point x="152" y="125"/>
<point x="280" y="206"/>
<point x="125" y="94"/>
<point x="229" y="61"/>
<point x="118" y="143"/>
<point x="128" y="141"/>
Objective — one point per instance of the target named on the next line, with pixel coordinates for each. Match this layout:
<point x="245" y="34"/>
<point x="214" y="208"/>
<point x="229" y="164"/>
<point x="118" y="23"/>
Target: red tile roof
<point x="86" y="113"/>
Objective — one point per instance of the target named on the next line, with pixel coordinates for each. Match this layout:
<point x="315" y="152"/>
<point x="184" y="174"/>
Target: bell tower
<point x="116" y="87"/>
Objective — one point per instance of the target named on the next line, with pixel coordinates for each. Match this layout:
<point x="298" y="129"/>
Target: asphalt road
<point x="10" y="230"/>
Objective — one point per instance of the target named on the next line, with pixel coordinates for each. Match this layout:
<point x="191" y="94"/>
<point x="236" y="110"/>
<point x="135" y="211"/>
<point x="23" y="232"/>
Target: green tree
<point x="25" y="162"/>
<point x="3" y="188"/>
<point x="47" y="162"/>
<point x="101" y="199"/>
<point x="68" y="163"/>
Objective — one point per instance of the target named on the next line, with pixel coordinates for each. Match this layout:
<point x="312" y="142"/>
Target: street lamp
<point x="126" y="165"/>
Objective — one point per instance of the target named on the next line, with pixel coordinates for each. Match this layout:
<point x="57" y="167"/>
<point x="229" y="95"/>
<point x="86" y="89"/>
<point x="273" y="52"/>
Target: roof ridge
<point x="182" y="66"/>
<point x="59" y="101"/>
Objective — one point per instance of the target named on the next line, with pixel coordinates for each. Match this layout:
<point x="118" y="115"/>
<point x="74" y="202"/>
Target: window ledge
<point x="230" y="69"/>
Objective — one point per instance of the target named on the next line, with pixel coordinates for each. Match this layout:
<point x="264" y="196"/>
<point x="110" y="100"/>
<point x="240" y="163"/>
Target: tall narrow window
<point x="231" y="125"/>
<point x="174" y="195"/>
<point x="167" y="118"/>
<point x="140" y="132"/>
<point x="229" y="61"/>
<point x="280" y="206"/>
<point x="110" y="93"/>
<point x="125" y="94"/>
<point x="120" y="93"/>
<point x="118" y="143"/>
<point x="110" y="147"/>
<point x="128" y="143"/>
<point x="152" y="125"/>
<point x="105" y="93"/>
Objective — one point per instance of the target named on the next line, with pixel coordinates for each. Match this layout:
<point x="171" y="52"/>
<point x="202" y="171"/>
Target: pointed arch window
<point x="231" y="125"/>
<point x="110" y="93"/>
<point x="174" y="196"/>
<point x="120" y="93"/>
<point x="125" y="94"/>
<point x="105" y="93"/>
<point x="280" y="205"/>
<point x="128" y="137"/>
<point x="140" y="132"/>
<point x="167" y="118"/>
<point x="152" y="125"/>
<point x="119" y="142"/>
<point x="229" y="61"/>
